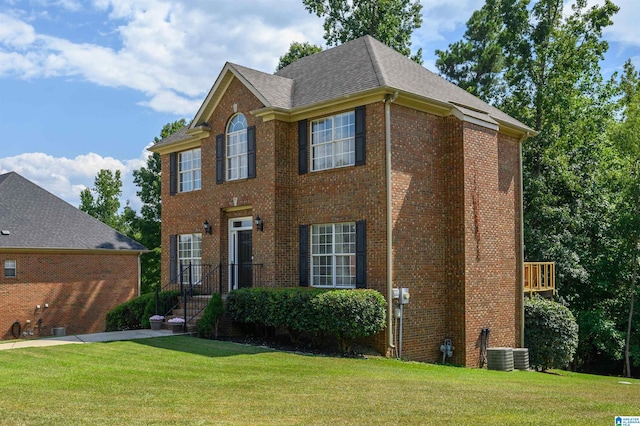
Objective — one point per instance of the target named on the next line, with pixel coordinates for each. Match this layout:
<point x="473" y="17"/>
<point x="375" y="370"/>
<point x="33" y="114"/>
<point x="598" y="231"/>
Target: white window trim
<point x="192" y="258"/>
<point x="333" y="143"/>
<point x="8" y="268"/>
<point x="194" y="174"/>
<point x="237" y="138"/>
<point x="315" y="257"/>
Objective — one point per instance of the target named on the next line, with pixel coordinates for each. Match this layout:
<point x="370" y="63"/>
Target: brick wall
<point x="455" y="217"/>
<point x="79" y="288"/>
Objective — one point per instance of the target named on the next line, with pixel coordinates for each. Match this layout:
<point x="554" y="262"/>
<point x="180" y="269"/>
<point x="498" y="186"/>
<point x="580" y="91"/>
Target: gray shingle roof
<point x="36" y="219"/>
<point x="355" y="67"/>
<point x="366" y="63"/>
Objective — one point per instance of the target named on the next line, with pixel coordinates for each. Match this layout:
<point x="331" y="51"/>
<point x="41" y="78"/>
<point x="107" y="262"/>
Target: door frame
<point x="235" y="225"/>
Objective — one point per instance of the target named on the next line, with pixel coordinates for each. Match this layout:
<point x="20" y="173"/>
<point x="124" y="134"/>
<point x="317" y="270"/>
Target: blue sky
<point x="88" y="84"/>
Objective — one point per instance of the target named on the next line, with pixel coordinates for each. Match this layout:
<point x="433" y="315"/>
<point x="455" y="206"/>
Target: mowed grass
<point x="185" y="380"/>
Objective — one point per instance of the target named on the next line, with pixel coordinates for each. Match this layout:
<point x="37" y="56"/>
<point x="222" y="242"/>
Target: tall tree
<point x="390" y="21"/>
<point x="106" y="203"/>
<point x="476" y="62"/>
<point x="145" y="227"/>
<point x="296" y="51"/>
<point x="626" y="136"/>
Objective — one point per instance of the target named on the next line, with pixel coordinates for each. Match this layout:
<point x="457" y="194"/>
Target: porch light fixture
<point x="259" y="224"/>
<point x="207" y="227"/>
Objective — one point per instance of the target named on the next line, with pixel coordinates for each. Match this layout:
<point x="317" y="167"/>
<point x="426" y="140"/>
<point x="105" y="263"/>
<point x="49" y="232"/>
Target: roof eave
<point x="67" y="250"/>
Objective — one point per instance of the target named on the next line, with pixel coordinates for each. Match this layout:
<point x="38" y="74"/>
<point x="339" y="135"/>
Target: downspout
<point x="387" y="124"/>
<point x="139" y="273"/>
<point x="521" y="242"/>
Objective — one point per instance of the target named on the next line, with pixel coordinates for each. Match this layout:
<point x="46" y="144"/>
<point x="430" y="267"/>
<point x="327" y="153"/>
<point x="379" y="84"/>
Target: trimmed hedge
<point x="550" y="333"/>
<point x="345" y="314"/>
<point x="349" y="314"/>
<point x="208" y="324"/>
<point x="135" y="313"/>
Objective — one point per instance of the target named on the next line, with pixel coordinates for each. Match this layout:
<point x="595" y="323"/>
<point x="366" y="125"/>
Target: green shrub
<point x="208" y="324"/>
<point x="346" y="314"/>
<point x="349" y="314"/>
<point x="166" y="301"/>
<point x="128" y="316"/>
<point x="550" y="333"/>
<point x="135" y="313"/>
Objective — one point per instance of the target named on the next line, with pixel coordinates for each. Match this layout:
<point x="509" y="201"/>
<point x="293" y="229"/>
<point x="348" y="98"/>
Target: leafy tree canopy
<point x="390" y="21"/>
<point x="296" y="51"/>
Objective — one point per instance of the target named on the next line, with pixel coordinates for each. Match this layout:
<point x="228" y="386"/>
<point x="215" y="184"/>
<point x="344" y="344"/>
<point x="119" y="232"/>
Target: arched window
<point x="237" y="160"/>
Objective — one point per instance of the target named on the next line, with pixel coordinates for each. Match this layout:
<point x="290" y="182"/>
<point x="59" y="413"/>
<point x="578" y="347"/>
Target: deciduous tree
<point x="296" y="51"/>
<point x="390" y="21"/>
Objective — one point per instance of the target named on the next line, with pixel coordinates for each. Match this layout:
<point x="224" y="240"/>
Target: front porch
<point x="196" y="283"/>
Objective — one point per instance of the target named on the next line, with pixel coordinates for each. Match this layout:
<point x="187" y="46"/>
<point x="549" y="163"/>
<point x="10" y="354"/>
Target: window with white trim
<point x="333" y="255"/>
<point x="333" y="142"/>
<point x="190" y="258"/>
<point x="237" y="161"/>
<point x="9" y="268"/>
<point x="189" y="166"/>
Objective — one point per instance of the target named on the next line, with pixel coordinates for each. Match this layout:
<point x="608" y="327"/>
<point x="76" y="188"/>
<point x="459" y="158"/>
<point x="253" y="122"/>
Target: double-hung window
<point x="9" y="268"/>
<point x="237" y="148"/>
<point x="333" y="141"/>
<point x="333" y="255"/>
<point x="190" y="258"/>
<point x="189" y="164"/>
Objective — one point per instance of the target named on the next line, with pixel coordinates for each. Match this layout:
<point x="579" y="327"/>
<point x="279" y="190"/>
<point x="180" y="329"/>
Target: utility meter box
<point x="404" y="296"/>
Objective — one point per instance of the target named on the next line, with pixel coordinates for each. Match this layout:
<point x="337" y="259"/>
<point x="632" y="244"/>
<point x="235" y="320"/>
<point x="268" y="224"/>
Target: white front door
<point x="240" y="252"/>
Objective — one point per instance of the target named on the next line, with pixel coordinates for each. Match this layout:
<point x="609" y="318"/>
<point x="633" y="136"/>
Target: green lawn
<point x="185" y="380"/>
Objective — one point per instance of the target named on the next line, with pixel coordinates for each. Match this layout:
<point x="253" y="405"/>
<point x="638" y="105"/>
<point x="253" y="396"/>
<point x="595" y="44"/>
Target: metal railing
<point x="198" y="282"/>
<point x="539" y="277"/>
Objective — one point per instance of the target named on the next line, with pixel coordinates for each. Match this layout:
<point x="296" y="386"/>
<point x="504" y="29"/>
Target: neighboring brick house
<point x="61" y="267"/>
<point x="306" y="150"/>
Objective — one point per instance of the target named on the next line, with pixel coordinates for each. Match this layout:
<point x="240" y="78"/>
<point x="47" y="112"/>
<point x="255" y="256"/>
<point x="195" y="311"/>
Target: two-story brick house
<point x="303" y="177"/>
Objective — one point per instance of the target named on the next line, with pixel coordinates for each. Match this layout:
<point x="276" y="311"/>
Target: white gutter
<point x="387" y="123"/>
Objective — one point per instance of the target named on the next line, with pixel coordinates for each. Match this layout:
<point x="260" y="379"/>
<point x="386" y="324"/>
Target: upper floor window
<point x="333" y="141"/>
<point x="189" y="165"/>
<point x="237" y="159"/>
<point x="10" y="268"/>
<point x="333" y="255"/>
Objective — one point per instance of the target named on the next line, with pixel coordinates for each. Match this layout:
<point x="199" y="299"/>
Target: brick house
<point x="302" y="177"/>
<point x="62" y="267"/>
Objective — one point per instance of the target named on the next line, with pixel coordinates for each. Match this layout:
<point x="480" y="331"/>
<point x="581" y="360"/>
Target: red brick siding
<point x="79" y="288"/>
<point x="443" y="169"/>
<point x="492" y="240"/>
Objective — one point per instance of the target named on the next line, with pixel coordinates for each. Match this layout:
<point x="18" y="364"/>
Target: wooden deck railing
<point x="539" y="277"/>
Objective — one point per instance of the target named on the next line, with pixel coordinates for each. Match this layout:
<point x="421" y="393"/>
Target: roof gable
<point x="36" y="219"/>
<point x="356" y="68"/>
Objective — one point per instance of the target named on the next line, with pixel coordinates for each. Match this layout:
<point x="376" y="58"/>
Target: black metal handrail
<point x="198" y="282"/>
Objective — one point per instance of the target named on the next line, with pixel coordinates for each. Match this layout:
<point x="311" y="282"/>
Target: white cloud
<point x="169" y="50"/>
<point x="15" y="33"/>
<point x="67" y="177"/>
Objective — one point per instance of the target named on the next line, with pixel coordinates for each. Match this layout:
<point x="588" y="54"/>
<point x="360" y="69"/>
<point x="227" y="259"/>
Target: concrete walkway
<point x="85" y="338"/>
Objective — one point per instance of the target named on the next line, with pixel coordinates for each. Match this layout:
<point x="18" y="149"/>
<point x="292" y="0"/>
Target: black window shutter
<point x="173" y="178"/>
<point x="361" y="254"/>
<point x="302" y="147"/>
<point x="360" y="131"/>
<point x="304" y="255"/>
<point x="173" y="258"/>
<point x="219" y="158"/>
<point x="251" y="151"/>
